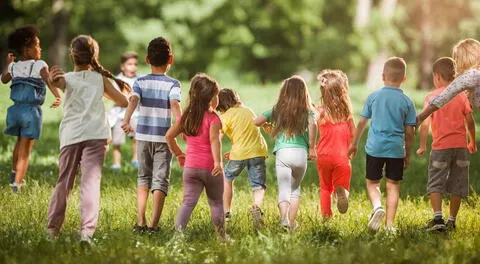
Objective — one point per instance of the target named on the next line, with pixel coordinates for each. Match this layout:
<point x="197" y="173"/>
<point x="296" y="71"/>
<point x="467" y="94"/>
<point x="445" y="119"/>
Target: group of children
<point x="294" y="122"/>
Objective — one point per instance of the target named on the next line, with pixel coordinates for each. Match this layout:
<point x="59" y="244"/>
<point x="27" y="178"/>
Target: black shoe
<point x="228" y="216"/>
<point x="436" y="224"/>
<point x="139" y="229"/>
<point x="152" y="230"/>
<point x="451" y="225"/>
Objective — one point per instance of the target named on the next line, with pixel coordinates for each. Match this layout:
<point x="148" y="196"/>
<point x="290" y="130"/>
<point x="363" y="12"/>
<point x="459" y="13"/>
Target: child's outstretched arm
<point x="132" y="105"/>
<point x="260" y="120"/>
<point x="44" y="73"/>
<point x="113" y="94"/>
<point x="216" y="148"/>
<point x="409" y="134"/>
<point x="362" y="123"/>
<point x="424" y="129"/>
<point x="170" y="137"/>
<point x="312" y="138"/>
<point x="176" y="110"/>
<point x="55" y="76"/>
<point x="472" y="146"/>
<point x="6" y="76"/>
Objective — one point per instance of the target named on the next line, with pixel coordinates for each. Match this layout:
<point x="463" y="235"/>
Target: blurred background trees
<point x="257" y="40"/>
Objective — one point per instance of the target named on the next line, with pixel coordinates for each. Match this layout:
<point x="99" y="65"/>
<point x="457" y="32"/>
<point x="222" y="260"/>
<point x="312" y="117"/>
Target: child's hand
<point x="352" y="151"/>
<point x="267" y="127"/>
<point x="227" y="156"/>
<point x="420" y="151"/>
<point x="55" y="73"/>
<point x="406" y="163"/>
<point x="181" y="160"/>
<point x="127" y="128"/>
<point x="57" y="103"/>
<point x="218" y="169"/>
<point x="10" y="58"/>
<point x="472" y="147"/>
<point x="312" y="154"/>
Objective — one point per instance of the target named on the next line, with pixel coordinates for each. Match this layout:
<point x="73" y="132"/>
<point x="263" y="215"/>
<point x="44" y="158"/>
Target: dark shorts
<point x="256" y="171"/>
<point x="393" y="168"/>
<point x="154" y="160"/>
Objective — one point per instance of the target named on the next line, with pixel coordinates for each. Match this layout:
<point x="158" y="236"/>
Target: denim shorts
<point x="256" y="167"/>
<point x="24" y="121"/>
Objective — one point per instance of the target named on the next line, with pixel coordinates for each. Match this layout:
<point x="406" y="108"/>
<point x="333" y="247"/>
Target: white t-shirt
<point x="27" y="68"/>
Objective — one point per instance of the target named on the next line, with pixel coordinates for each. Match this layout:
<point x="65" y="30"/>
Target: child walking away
<point x="448" y="167"/>
<point x="294" y="129"/>
<point x="336" y="128"/>
<point x="157" y="97"/>
<point x="128" y="74"/>
<point x="29" y="75"/>
<point x="84" y="132"/>
<point x="249" y="150"/>
<point x="203" y="162"/>
<point x="389" y="141"/>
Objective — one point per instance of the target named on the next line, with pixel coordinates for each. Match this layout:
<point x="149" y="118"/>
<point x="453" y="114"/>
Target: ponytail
<point x="104" y="72"/>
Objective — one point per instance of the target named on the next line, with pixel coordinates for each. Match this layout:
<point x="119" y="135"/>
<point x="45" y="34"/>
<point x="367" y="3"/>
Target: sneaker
<point x="342" y="199"/>
<point x="391" y="230"/>
<point x="134" y="163"/>
<point x="17" y="186"/>
<point x="436" y="224"/>
<point x="293" y="227"/>
<point x="139" y="229"/>
<point x="12" y="177"/>
<point x="257" y="216"/>
<point x="450" y="226"/>
<point x="228" y="216"/>
<point x="85" y="240"/>
<point x="376" y="219"/>
<point x="151" y="230"/>
<point x="115" y="167"/>
<point x="284" y="224"/>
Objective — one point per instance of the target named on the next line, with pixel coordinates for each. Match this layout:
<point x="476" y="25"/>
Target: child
<point x="84" y="132"/>
<point x="294" y="130"/>
<point x="158" y="96"/>
<point x="249" y="150"/>
<point x="203" y="162"/>
<point x="128" y="74"/>
<point x="336" y="128"/>
<point x="467" y="56"/>
<point x="389" y="141"/>
<point x="448" y="168"/>
<point x="29" y="76"/>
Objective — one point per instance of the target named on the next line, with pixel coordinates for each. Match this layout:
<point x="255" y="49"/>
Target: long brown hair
<point x="202" y="89"/>
<point x="290" y="113"/>
<point x="335" y="99"/>
<point x="84" y="51"/>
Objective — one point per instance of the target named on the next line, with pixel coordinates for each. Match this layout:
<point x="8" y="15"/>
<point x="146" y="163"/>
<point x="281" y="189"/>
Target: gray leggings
<point x="291" y="165"/>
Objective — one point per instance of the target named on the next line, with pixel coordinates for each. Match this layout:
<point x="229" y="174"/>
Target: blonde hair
<point x="335" y="99"/>
<point x="466" y="54"/>
<point x="290" y="113"/>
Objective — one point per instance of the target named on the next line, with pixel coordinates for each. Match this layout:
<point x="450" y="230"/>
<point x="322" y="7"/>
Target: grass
<point x="344" y="239"/>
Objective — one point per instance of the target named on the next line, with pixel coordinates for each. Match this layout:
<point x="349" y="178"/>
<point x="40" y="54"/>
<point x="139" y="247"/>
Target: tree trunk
<point x="427" y="48"/>
<point x="362" y="15"/>
<point x="60" y="19"/>
<point x="375" y="67"/>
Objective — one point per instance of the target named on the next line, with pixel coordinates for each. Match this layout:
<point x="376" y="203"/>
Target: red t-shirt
<point x="199" y="150"/>
<point x="448" y="122"/>
<point x="335" y="138"/>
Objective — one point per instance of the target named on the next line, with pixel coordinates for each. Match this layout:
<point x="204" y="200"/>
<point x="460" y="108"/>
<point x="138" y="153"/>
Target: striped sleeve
<point x="137" y="91"/>
<point x="175" y="92"/>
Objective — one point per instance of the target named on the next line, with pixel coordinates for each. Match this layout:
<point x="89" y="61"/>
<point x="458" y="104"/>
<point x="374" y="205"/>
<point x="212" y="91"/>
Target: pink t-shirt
<point x="199" y="150"/>
<point x="448" y="122"/>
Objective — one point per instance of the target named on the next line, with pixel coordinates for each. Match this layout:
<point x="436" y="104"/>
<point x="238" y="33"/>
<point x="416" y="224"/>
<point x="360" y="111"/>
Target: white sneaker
<point x="376" y="219"/>
<point x="85" y="239"/>
<point x="391" y="230"/>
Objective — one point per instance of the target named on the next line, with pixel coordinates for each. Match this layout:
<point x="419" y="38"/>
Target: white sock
<point x="452" y="218"/>
<point x="437" y="214"/>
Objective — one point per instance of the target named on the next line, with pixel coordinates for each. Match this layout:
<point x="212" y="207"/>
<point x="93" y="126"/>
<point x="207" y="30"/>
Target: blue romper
<point x="24" y="117"/>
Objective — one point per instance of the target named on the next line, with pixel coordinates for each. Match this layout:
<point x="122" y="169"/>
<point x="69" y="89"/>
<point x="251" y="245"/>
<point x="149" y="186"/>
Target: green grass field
<point x="344" y="239"/>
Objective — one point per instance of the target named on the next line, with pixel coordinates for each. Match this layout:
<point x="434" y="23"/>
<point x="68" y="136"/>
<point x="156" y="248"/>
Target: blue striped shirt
<point x="155" y="92"/>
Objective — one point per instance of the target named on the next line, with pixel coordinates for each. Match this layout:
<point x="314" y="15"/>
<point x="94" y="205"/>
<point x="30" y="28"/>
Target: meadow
<point x="343" y="239"/>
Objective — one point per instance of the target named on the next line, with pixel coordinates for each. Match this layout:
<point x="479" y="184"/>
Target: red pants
<point x="333" y="171"/>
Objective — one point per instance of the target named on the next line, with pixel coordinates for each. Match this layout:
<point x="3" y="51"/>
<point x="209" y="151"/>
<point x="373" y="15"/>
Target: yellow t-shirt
<point x="247" y="140"/>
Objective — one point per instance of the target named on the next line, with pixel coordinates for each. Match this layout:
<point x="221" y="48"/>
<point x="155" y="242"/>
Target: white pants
<point x="290" y="165"/>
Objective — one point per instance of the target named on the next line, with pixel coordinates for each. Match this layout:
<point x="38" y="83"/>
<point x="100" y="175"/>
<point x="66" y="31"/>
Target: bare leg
<point x="455" y="201"/>
<point x="142" y="197"/>
<point x="117" y="156"/>
<point x="436" y="201"/>
<point x="258" y="196"/>
<point x="227" y="195"/>
<point x="15" y="155"/>
<point x="283" y="208"/>
<point x="393" y="193"/>
<point x="292" y="214"/>
<point x="158" y="202"/>
<point x="24" y="149"/>
<point x="374" y="194"/>
<point x="134" y="150"/>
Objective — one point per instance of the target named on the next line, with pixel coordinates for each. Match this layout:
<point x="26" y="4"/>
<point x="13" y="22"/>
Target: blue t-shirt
<point x="390" y="110"/>
<point x="155" y="92"/>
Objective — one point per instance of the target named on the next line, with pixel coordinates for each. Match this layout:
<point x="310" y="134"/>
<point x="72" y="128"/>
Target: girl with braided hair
<point x="84" y="132"/>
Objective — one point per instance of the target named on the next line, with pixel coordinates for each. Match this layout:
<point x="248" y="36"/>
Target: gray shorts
<point x="154" y="160"/>
<point x="118" y="135"/>
<point x="448" y="171"/>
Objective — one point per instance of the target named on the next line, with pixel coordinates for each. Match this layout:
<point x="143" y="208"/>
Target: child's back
<point x="247" y="140"/>
<point x="335" y="137"/>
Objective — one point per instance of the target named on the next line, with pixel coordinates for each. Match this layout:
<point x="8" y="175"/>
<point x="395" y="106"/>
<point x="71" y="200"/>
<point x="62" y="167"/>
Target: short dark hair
<point x="227" y="98"/>
<point x="159" y="51"/>
<point x="128" y="55"/>
<point x="445" y="66"/>
<point x="395" y="69"/>
<point x="22" y="38"/>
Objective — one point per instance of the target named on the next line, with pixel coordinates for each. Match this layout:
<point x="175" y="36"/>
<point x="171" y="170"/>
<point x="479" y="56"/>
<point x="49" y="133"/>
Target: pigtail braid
<point x="104" y="72"/>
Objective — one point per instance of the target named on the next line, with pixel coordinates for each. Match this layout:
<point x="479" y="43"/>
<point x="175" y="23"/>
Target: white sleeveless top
<point x="84" y="112"/>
